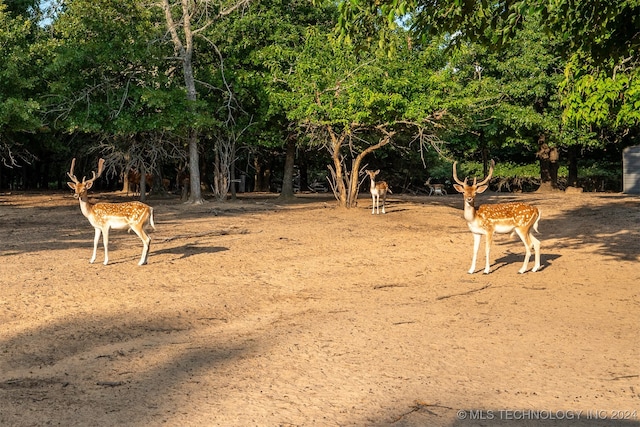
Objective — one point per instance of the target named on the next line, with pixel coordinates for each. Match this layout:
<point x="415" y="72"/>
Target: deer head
<point x="470" y="191"/>
<point x="81" y="188"/>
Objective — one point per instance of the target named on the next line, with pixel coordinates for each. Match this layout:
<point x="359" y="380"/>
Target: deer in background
<point x="498" y="218"/>
<point x="378" y="189"/>
<point x="437" y="189"/>
<point x="104" y="216"/>
<point x="133" y="178"/>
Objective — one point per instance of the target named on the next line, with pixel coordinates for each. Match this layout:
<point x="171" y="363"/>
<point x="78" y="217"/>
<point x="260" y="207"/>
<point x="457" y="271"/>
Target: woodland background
<point x="288" y="95"/>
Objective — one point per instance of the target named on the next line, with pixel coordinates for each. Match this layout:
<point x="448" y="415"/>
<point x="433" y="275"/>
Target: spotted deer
<point x="378" y="190"/>
<point x="498" y="218"/>
<point x="437" y="189"/>
<point x="104" y="216"/>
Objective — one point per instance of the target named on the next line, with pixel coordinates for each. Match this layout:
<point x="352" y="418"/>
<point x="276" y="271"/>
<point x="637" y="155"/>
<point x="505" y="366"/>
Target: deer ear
<point x="88" y="185"/>
<point x="482" y="188"/>
<point x="71" y="185"/>
<point x="459" y="188"/>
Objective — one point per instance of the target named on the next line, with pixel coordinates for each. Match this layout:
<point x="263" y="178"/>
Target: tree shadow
<point x="612" y="227"/>
<point x="58" y="370"/>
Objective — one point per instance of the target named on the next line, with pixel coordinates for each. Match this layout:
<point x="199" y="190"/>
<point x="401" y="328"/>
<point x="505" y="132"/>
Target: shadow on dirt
<point x="188" y="250"/>
<point x="131" y="364"/>
<point x="515" y="260"/>
<point x="614" y="232"/>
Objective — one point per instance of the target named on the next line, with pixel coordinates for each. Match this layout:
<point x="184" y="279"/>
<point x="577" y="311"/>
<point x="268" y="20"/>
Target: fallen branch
<point x="110" y="383"/>
<point x="418" y="407"/>
<point x="623" y="377"/>
<point x="389" y="286"/>
<point x="464" y="293"/>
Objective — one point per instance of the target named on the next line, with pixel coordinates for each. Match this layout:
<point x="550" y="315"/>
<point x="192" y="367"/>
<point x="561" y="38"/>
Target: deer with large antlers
<point x="498" y="218"/>
<point x="378" y="189"/>
<point x="104" y="216"/>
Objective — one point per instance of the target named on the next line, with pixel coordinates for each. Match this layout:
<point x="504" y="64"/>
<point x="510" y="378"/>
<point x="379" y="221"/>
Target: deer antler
<point x="488" y="176"/>
<point x="100" y="168"/>
<point x="456" y="179"/>
<point x="455" y="175"/>
<point x="70" y="173"/>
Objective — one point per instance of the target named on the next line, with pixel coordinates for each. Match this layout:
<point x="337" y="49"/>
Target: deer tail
<point x="153" y="225"/>
<point x="535" y="224"/>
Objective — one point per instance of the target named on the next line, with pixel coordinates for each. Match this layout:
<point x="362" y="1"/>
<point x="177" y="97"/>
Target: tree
<point x="359" y="104"/>
<point x="193" y="18"/>
<point x="260" y="46"/>
<point x="19" y="110"/>
<point x="108" y="86"/>
<point x="516" y="104"/>
<point x="597" y="41"/>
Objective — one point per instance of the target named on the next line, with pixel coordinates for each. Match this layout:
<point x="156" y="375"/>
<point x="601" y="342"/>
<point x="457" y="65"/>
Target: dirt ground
<point x="255" y="312"/>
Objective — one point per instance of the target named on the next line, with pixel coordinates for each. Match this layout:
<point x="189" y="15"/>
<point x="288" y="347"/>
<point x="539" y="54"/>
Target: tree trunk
<point x="554" y="157"/>
<point x="185" y="53"/>
<point x="258" y="181"/>
<point x="355" y="171"/>
<point x="232" y="178"/>
<point x="217" y="170"/>
<point x="289" y="164"/>
<point x="548" y="157"/>
<point x="341" y="190"/>
<point x="347" y="195"/>
<point x="194" y="169"/>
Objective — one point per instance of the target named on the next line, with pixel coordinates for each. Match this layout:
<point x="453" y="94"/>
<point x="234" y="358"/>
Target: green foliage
<point x="18" y="109"/>
<point x="598" y="38"/>
<point x="261" y="47"/>
<point x="24" y="8"/>
<point x="592" y="96"/>
<point x="109" y="75"/>
<point x="605" y="31"/>
<point x="333" y="85"/>
<point x="100" y="71"/>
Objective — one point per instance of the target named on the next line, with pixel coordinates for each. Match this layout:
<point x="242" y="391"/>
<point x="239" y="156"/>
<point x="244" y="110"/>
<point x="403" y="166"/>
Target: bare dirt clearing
<point x="257" y="313"/>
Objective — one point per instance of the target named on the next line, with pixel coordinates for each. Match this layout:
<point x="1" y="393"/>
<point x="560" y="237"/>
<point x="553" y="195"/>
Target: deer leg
<point x="536" y="247"/>
<point x="373" y="204"/>
<point x="476" y="246"/>
<point x="487" y="248"/>
<point x="527" y="246"/>
<point x="105" y="242"/>
<point x="146" y="241"/>
<point x="384" y="200"/>
<point x="96" y="239"/>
